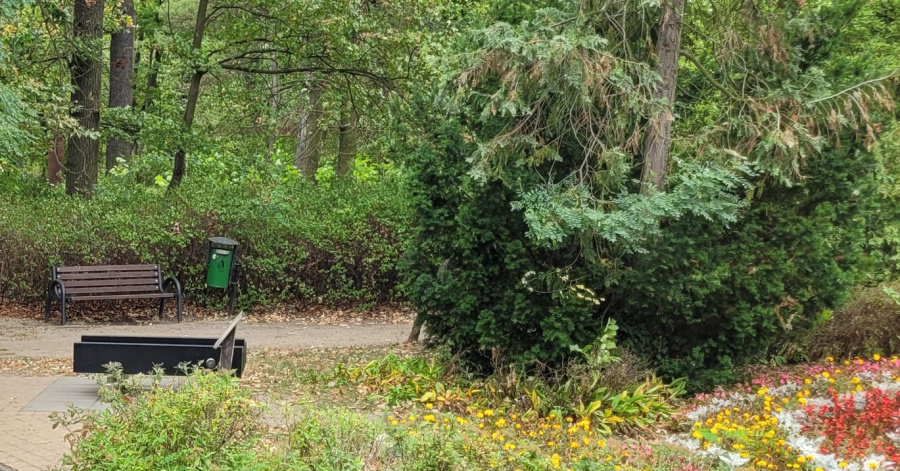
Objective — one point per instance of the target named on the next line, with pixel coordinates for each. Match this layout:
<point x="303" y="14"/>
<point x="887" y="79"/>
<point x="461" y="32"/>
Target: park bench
<point x="110" y="282"/>
<point x="141" y="354"/>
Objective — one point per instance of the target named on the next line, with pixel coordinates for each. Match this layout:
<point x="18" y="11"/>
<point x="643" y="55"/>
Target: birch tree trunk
<point x="348" y="141"/>
<point x="309" y="133"/>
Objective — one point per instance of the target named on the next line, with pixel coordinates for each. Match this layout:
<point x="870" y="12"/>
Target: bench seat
<point x="100" y="282"/>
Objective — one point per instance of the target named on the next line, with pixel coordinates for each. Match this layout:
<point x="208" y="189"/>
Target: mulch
<point x="140" y="312"/>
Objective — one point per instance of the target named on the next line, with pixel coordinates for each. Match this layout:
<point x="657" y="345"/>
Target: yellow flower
<point x="876" y="357"/>
<point x="429" y="405"/>
<point x="830" y="360"/>
<point x="554" y="460"/>
<point x="428" y="418"/>
<point x="801" y="459"/>
<point x="488" y="412"/>
<point x="842" y="464"/>
<point x="826" y="374"/>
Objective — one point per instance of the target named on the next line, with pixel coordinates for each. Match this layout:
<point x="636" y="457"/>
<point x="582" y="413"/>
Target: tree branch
<point x="894" y="73"/>
<point x="709" y="77"/>
<point x="386" y="81"/>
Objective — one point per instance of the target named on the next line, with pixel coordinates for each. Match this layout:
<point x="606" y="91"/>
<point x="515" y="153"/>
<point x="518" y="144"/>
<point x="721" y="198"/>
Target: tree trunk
<point x="657" y="140"/>
<point x="152" y="78"/>
<point x="83" y="151"/>
<point x="121" y="81"/>
<point x="55" y="160"/>
<point x="416" y="329"/>
<point x="348" y="142"/>
<point x="273" y="109"/>
<point x="309" y="134"/>
<point x="193" y="95"/>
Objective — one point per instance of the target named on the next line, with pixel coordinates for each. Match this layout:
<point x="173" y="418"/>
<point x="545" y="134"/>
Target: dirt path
<point x="32" y="338"/>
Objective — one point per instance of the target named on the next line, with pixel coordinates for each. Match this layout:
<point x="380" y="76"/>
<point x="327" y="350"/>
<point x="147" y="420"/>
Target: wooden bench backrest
<point x="110" y="279"/>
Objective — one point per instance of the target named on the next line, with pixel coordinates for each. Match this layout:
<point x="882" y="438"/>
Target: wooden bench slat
<point x="111" y="282"/>
<point x="105" y="276"/>
<point x="105" y="268"/>
<point x="114" y="289"/>
<point x="123" y="296"/>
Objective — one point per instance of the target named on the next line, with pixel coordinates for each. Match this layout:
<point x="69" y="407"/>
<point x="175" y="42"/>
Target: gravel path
<point x="36" y="339"/>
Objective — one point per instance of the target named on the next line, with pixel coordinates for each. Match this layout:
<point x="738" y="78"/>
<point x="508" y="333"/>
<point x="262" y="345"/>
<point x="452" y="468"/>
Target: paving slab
<point x="69" y="390"/>
<point x="28" y="441"/>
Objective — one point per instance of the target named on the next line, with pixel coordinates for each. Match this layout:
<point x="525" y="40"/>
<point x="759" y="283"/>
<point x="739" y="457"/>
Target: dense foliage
<point x="532" y="230"/>
<point x="714" y="175"/>
<point x="332" y="244"/>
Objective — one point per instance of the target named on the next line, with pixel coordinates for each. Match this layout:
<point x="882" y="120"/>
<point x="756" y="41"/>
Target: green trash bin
<point x="220" y="262"/>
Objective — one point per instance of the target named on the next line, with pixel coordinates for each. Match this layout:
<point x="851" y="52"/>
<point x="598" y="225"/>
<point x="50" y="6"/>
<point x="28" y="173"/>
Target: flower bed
<point x="831" y="416"/>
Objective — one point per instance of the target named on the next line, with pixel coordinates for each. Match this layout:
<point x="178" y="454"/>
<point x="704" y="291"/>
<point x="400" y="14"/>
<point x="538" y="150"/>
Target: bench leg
<point x="47" y="306"/>
<point x="62" y="312"/>
<point x="178" y="304"/>
<point x="162" y="307"/>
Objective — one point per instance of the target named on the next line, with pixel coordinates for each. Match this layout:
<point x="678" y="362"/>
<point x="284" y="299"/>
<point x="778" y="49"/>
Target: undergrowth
<point x="299" y="242"/>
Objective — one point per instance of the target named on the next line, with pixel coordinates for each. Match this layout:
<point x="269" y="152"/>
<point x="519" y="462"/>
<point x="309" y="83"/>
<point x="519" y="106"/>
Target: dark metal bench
<point x="110" y="282"/>
<point x="140" y="354"/>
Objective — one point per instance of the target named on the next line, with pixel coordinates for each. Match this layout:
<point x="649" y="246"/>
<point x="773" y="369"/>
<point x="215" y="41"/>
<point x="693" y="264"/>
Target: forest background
<point x="715" y="176"/>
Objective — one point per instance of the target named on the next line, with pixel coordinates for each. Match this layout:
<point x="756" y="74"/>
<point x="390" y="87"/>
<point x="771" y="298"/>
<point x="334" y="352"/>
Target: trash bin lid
<point x="223" y="241"/>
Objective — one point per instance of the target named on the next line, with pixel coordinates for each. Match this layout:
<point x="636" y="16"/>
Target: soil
<point x="25" y="336"/>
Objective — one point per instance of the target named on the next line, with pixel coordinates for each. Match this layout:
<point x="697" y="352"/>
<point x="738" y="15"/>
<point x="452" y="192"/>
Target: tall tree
<point x="83" y="149"/>
<point x="348" y="141"/>
<point x="121" y="78"/>
<point x="193" y="94"/>
<point x="657" y="139"/>
<point x="309" y="132"/>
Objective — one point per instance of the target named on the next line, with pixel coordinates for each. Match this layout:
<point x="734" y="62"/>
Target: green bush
<point x="703" y="300"/>
<point x="711" y="298"/>
<point x="332" y="244"/>
<point x="464" y="270"/>
<point x="209" y="422"/>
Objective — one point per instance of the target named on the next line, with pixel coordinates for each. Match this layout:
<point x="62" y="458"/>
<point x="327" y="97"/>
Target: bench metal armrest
<point x="170" y="281"/>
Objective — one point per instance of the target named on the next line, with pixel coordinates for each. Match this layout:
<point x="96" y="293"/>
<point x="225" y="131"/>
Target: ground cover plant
<point x="829" y="416"/>
<point x="384" y="408"/>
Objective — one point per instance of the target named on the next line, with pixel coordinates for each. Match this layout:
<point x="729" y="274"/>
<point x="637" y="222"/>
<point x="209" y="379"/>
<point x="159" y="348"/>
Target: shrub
<point x="706" y="298"/>
<point x="335" y="440"/>
<point x="298" y="241"/>
<point x="209" y="422"/>
<point x="712" y="298"/>
<point x="869" y="323"/>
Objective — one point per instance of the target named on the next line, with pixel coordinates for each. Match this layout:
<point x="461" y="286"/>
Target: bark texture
<point x="348" y="142"/>
<point x="121" y="80"/>
<point x="658" y="138"/>
<point x="83" y="151"/>
<point x="55" y="160"/>
<point x="309" y="133"/>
